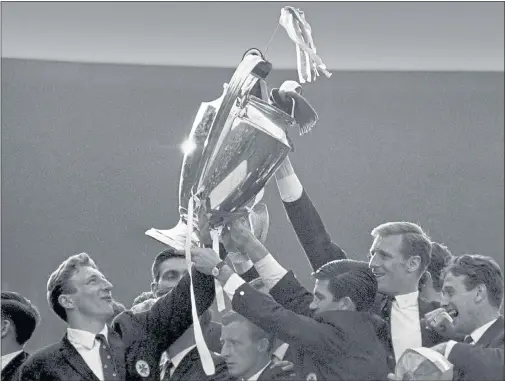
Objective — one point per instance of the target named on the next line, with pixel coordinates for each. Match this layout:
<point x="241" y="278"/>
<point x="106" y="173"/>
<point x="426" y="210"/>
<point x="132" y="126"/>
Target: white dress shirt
<point x="9" y="357"/>
<point x="290" y="188"/>
<point x="88" y="347"/>
<point x="176" y="360"/>
<point x="254" y="377"/>
<point x="269" y="270"/>
<point x="281" y="350"/>
<point x="405" y="325"/>
<point x="476" y="335"/>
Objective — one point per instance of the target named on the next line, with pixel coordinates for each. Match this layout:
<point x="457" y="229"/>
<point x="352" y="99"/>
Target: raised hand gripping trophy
<point x="239" y="141"/>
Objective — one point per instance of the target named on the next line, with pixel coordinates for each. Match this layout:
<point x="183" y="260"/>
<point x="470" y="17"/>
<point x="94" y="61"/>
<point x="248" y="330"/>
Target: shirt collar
<point x="176" y="360"/>
<point x="255" y="377"/>
<point x="281" y="350"/>
<point x="407" y="300"/>
<point x="477" y="334"/>
<point x="84" y="338"/>
<point x="9" y="357"/>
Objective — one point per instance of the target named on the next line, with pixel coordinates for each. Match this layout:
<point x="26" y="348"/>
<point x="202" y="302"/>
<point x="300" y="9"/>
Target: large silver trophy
<point x="238" y="141"/>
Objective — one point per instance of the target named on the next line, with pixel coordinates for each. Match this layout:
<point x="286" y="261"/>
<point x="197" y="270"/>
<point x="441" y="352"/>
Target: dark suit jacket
<point x="336" y="345"/>
<point x="11" y="370"/>
<point x="311" y="232"/>
<point x="190" y="369"/>
<point x="383" y="309"/>
<point x="137" y="341"/>
<point x="484" y="359"/>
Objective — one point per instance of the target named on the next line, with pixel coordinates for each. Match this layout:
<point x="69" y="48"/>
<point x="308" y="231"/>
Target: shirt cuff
<point x="290" y="188"/>
<point x="271" y="271"/>
<point x="232" y="284"/>
<point x="448" y="348"/>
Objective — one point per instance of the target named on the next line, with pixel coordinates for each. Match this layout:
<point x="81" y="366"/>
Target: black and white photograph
<point x="252" y="190"/>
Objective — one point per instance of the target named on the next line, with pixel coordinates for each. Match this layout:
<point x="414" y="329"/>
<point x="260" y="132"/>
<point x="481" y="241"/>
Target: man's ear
<point x="6" y="324"/>
<point x="66" y="301"/>
<point x="263" y="345"/>
<point x="481" y="293"/>
<point x="154" y="287"/>
<point x="413" y="263"/>
<point x="426" y="279"/>
<point x="346" y="303"/>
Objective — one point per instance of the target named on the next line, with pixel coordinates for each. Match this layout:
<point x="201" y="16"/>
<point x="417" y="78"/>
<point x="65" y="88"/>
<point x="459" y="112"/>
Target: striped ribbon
<point x="203" y="351"/>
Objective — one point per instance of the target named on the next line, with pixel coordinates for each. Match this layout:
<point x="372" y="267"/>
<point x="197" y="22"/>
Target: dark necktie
<point x="468" y="339"/>
<point x="166" y="369"/>
<point x="386" y="336"/>
<point x="109" y="371"/>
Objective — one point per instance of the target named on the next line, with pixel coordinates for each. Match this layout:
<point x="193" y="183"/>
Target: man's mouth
<point x="378" y="274"/>
<point x="107" y="298"/>
<point x="452" y="312"/>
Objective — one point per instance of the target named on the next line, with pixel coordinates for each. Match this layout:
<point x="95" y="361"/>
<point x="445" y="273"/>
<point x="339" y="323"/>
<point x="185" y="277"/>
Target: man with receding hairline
<point x="399" y="255"/>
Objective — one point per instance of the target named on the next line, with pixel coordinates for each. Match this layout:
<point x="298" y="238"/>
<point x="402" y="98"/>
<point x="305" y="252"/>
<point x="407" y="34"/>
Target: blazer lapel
<point x="185" y="365"/>
<point x="491" y="333"/>
<point x="118" y="350"/>
<point x="13" y="365"/>
<point x="76" y="361"/>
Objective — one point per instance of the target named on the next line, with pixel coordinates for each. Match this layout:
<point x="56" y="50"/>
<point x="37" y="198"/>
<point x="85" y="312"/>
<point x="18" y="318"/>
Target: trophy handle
<point x="252" y="68"/>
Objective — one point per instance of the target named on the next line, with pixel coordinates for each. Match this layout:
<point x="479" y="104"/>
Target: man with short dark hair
<point x="129" y="350"/>
<point x="399" y="255"/>
<point x="430" y="284"/>
<point x="247" y="350"/>
<point x="472" y="293"/>
<point x="168" y="268"/>
<point x="19" y="320"/>
<point x="332" y="330"/>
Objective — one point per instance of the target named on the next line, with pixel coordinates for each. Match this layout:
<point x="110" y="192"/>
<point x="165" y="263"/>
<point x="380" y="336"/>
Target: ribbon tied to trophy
<point x="236" y="143"/>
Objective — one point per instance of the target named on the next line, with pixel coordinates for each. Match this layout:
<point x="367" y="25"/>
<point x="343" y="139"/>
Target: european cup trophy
<point x="237" y="141"/>
<point x="236" y="144"/>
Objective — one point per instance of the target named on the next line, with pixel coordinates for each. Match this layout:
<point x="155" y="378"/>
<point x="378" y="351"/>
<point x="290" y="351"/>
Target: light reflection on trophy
<point x="237" y="143"/>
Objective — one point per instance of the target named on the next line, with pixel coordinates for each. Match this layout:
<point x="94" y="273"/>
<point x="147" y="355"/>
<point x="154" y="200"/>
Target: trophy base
<point x="175" y="237"/>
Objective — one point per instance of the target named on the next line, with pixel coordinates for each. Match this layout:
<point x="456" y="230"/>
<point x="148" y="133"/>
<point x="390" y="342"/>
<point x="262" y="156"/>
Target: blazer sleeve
<point x="170" y="316"/>
<point x="290" y="294"/>
<point x="288" y="326"/>
<point x="478" y="362"/>
<point x="311" y="232"/>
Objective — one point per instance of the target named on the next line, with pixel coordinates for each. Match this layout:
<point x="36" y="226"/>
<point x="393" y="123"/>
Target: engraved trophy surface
<point x="239" y="141"/>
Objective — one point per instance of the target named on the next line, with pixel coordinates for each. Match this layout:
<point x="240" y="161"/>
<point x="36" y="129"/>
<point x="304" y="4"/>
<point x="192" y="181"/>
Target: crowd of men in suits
<point x="355" y="324"/>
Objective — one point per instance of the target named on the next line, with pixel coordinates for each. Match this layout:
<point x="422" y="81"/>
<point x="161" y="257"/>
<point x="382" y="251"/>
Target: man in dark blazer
<point x="398" y="264"/>
<point x="19" y="320"/>
<point x="129" y="350"/>
<point x="332" y="331"/>
<point x="473" y="292"/>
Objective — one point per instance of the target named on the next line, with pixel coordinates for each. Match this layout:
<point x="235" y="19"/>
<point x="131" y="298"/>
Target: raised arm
<point x="306" y="221"/>
<point x="170" y="316"/>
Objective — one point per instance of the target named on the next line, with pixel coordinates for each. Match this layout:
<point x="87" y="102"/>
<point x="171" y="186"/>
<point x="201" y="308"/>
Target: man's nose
<point x="225" y="351"/>
<point x="107" y="285"/>
<point x="374" y="262"/>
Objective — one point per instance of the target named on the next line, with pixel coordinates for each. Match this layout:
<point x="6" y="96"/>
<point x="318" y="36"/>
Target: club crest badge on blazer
<point x="142" y="368"/>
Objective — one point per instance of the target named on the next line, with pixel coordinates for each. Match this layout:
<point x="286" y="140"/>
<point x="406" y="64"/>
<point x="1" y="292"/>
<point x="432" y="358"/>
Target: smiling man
<point x="473" y="292"/>
<point x="332" y="331"/>
<point x="399" y="255"/>
<point x="131" y="348"/>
